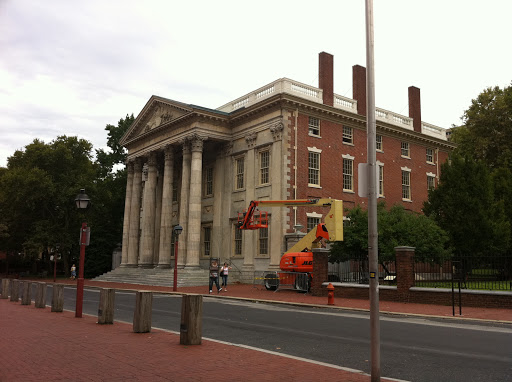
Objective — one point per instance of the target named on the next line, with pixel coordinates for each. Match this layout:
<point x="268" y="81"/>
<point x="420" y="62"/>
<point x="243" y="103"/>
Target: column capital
<point x="196" y="142"/>
<point x="137" y="164"/>
<point x="250" y="139"/>
<point x="152" y="159"/>
<point x="168" y="153"/>
<point x="129" y="166"/>
<point x="277" y="130"/>
<point x="227" y="149"/>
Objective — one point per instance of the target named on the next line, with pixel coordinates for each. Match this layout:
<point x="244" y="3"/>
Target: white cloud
<point x="71" y="67"/>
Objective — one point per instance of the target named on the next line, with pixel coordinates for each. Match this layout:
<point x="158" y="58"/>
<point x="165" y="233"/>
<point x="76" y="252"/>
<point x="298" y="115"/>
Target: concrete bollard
<point x="15" y="290"/>
<point x="40" y="300"/>
<point x="26" y="293"/>
<point x="58" y="298"/>
<point x="5" y="288"/>
<point x="191" y="320"/>
<point x="143" y="310"/>
<point x="106" y="308"/>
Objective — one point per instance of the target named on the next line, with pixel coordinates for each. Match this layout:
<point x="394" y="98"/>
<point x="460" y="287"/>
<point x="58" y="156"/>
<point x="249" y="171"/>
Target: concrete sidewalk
<point x="38" y="345"/>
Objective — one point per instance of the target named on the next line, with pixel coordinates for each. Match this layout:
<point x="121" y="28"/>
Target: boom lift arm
<point x="331" y="230"/>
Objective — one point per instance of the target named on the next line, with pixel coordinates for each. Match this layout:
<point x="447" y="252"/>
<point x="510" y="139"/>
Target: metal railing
<point x="356" y="271"/>
<point x="478" y="273"/>
<point x="276" y="280"/>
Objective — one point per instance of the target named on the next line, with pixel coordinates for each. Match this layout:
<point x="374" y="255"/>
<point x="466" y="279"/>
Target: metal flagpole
<point x="372" y="198"/>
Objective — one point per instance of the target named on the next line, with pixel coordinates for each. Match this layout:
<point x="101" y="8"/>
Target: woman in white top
<point x="224" y="273"/>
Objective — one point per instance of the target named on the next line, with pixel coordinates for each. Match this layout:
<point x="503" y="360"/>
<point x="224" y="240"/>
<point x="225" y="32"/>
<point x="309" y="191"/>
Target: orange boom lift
<point x="299" y="258"/>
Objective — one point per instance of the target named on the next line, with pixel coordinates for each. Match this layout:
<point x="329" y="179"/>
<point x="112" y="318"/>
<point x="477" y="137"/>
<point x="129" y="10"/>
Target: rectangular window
<point x="208" y="181"/>
<point x="378" y="142"/>
<point x="265" y="167"/>
<point x="312" y="223"/>
<point x="238" y="241"/>
<point x="406" y="185"/>
<point x="314" y="168"/>
<point x="405" y="149"/>
<point x="314" y="126"/>
<point x="263" y="241"/>
<point x="207" y="235"/>
<point x="348" y="175"/>
<point x="348" y="135"/>
<point x="431" y="182"/>
<point x="239" y="173"/>
<point x="381" y="180"/>
<point x="430" y="156"/>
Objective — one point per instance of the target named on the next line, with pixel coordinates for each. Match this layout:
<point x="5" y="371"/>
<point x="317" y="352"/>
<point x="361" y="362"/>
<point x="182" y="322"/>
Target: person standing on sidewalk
<point x="73" y="272"/>
<point x="214" y="275"/>
<point x="224" y="273"/>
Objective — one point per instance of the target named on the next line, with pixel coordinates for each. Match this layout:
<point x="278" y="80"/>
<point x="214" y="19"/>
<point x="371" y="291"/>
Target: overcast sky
<point x="71" y="67"/>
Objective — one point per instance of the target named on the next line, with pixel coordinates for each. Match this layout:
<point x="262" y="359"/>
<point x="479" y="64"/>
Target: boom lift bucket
<point x="259" y="219"/>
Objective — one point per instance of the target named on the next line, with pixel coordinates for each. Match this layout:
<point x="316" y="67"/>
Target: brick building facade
<point x="199" y="167"/>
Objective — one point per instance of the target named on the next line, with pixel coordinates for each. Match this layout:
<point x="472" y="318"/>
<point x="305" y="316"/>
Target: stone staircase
<point x="156" y="276"/>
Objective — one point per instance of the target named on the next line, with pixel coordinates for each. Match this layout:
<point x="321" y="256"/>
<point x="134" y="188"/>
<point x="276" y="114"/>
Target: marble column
<point x="158" y="212"/>
<point x="194" y="205"/>
<point x="277" y="228"/>
<point x="184" y="198"/>
<point x="133" y="240"/>
<point x="250" y="237"/>
<point x="148" y="217"/>
<point x="164" y="260"/>
<point x="126" y="219"/>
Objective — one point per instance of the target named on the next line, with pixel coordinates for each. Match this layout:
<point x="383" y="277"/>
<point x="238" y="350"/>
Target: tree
<point x="464" y="205"/>
<point x="396" y="227"/>
<point x="37" y="192"/>
<point x="486" y="133"/>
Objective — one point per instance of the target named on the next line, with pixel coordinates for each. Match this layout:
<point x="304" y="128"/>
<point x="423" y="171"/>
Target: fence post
<point x="106" y="308"/>
<point x="15" y="290"/>
<point x="5" y="288"/>
<point x="26" y="295"/>
<point x="142" y="313"/>
<point x="404" y="270"/>
<point x="191" y="320"/>
<point x="40" y="300"/>
<point x="58" y="298"/>
<point x="320" y="270"/>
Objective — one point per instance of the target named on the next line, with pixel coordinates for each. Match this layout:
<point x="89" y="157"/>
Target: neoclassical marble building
<point x="200" y="167"/>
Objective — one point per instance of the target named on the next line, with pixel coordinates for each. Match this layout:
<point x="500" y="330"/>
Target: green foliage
<point x="487" y="131"/>
<point x="396" y="227"/>
<point x="117" y="153"/>
<point x="464" y="205"/>
<point x="37" y="192"/>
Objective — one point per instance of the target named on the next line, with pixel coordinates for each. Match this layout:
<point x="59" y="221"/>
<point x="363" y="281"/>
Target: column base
<point x="146" y="266"/>
<point x="163" y="266"/>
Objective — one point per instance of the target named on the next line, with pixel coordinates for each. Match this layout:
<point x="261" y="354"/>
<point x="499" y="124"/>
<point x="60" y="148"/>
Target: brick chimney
<point x="415" y="107"/>
<point x="359" y="88"/>
<point x="326" y="77"/>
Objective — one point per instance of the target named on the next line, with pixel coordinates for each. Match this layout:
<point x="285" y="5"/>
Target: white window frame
<point x="314" y="126"/>
<point x="431" y="177"/>
<point x="378" y="143"/>
<point x="431" y="155"/>
<point x="314" y="170"/>
<point x="348" y="177"/>
<point x="406" y="184"/>
<point x="239" y="175"/>
<point x="264" y="171"/>
<point x="348" y="135"/>
<point x="380" y="190"/>
<point x="405" y="150"/>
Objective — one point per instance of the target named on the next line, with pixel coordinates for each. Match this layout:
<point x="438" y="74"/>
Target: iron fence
<point x="483" y="273"/>
<point x="357" y="271"/>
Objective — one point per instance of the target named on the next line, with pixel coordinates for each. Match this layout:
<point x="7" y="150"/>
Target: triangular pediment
<point x="157" y="112"/>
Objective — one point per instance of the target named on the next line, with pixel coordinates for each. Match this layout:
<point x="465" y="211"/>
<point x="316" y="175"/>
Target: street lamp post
<point x="177" y="231"/>
<point x="82" y="202"/>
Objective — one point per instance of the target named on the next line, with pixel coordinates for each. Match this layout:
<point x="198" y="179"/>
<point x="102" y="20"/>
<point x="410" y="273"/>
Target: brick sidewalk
<point x="37" y="345"/>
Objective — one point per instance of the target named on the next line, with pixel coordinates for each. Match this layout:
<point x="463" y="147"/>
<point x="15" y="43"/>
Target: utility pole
<point x="372" y="199"/>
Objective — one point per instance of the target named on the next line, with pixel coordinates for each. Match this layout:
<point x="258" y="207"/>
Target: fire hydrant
<point x="330" y="294"/>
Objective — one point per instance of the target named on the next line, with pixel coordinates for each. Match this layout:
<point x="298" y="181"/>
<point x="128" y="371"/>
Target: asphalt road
<point x="413" y="349"/>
